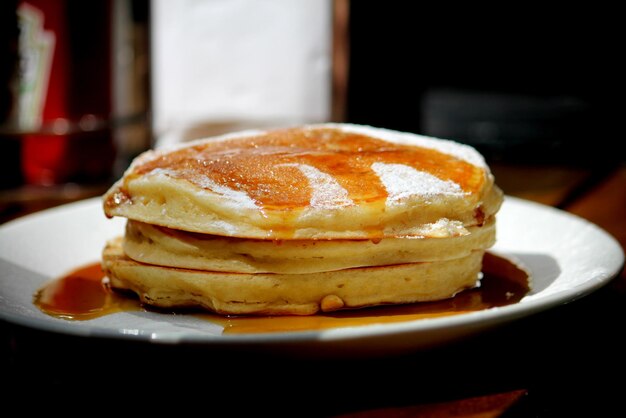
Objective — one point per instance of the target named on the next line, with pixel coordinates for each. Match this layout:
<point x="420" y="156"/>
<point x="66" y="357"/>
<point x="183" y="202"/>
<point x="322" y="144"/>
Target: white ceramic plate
<point x="568" y="257"/>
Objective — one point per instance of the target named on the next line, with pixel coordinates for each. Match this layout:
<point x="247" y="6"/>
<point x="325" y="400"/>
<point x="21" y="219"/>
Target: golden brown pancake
<point x="313" y="182"/>
<point x="298" y="220"/>
<point x="290" y="294"/>
<point x="162" y="246"/>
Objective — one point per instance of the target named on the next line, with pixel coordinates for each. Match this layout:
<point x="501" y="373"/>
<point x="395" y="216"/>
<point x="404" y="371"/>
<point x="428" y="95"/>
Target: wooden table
<point x="563" y="362"/>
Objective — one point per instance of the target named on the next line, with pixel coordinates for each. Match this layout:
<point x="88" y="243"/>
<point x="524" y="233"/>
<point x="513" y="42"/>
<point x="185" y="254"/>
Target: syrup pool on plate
<point x="84" y="294"/>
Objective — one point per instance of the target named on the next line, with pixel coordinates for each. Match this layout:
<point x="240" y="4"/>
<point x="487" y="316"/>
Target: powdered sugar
<point x="445" y="228"/>
<point x="237" y="197"/>
<point x="326" y="192"/>
<point x="403" y="182"/>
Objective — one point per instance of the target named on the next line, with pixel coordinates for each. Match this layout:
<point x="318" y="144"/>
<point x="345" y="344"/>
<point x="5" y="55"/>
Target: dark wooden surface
<point x="568" y="361"/>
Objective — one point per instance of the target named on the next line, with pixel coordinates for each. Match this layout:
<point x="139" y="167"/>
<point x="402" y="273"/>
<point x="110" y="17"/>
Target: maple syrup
<point x="266" y="167"/>
<point x="84" y="294"/>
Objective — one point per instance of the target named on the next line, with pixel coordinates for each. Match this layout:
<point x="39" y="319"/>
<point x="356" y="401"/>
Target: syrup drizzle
<point x="274" y="169"/>
<point x="84" y="294"/>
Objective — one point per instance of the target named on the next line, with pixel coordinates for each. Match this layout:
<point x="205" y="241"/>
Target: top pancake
<point x="326" y="181"/>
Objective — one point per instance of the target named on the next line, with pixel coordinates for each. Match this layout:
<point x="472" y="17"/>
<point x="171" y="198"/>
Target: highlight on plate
<point x="299" y="220"/>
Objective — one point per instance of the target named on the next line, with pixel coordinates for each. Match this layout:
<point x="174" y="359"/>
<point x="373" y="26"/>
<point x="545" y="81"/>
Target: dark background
<point x="533" y="85"/>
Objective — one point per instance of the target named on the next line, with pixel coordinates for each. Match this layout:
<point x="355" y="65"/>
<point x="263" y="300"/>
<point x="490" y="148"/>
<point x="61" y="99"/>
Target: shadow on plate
<point x="544" y="269"/>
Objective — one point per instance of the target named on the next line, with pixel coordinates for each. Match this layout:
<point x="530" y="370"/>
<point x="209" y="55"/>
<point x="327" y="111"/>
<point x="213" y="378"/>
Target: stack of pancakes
<point x="297" y="220"/>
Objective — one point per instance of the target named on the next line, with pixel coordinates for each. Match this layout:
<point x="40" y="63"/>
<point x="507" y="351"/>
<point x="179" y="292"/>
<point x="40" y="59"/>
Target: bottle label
<point x="36" y="46"/>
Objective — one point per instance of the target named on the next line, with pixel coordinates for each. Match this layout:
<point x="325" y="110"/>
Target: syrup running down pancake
<point x="315" y="208"/>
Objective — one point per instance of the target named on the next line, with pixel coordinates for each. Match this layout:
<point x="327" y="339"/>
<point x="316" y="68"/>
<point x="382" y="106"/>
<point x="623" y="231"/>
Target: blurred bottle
<point x="64" y="96"/>
<point x="61" y="111"/>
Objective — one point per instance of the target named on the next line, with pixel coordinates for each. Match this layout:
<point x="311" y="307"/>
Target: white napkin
<point x="222" y="65"/>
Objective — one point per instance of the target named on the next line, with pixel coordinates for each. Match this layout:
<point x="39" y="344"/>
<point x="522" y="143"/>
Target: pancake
<point x="303" y="219"/>
<point x="168" y="247"/>
<point x="290" y="294"/>
<point x="327" y="181"/>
